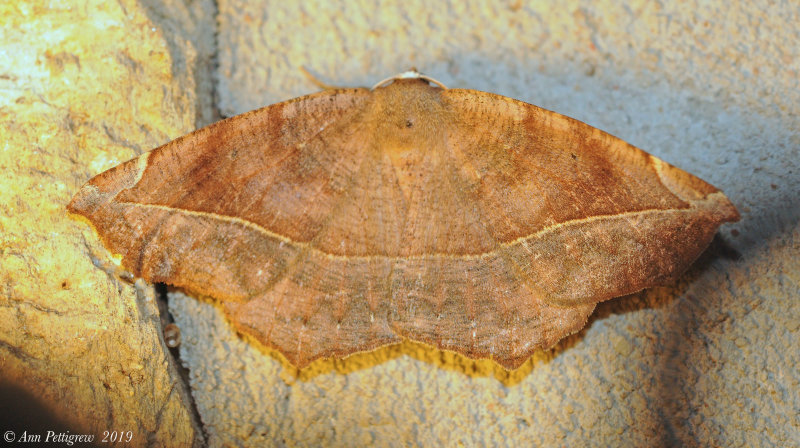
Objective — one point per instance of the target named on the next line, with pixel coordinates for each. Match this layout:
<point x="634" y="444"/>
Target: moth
<point x="354" y="218"/>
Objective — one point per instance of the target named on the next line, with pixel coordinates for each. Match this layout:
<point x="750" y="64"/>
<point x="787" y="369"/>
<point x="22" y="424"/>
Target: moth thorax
<point x="408" y="118"/>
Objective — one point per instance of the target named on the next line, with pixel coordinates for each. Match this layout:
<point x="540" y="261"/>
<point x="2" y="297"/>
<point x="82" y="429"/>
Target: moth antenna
<point x="316" y="81"/>
<point x="412" y="73"/>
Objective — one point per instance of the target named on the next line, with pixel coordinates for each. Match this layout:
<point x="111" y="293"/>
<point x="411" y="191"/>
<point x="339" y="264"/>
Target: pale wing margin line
<point x="554" y="227"/>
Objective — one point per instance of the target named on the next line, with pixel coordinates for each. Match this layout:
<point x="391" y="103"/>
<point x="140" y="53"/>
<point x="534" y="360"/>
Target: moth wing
<point x="582" y="215"/>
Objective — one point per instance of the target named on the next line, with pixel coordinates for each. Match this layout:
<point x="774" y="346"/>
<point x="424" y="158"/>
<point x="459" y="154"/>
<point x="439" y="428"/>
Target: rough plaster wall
<point x="711" y="87"/>
<point x="85" y="86"/>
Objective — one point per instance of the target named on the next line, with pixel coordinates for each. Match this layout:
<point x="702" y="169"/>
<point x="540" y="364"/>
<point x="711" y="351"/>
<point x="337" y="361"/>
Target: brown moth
<point x="350" y="219"/>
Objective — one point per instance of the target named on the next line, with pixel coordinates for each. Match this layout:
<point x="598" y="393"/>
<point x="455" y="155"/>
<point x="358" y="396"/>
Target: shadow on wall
<point x="684" y="329"/>
<point x="25" y="416"/>
<point x="681" y="342"/>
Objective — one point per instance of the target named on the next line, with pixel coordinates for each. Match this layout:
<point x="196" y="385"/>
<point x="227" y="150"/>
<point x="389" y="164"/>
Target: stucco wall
<point x="711" y="87"/>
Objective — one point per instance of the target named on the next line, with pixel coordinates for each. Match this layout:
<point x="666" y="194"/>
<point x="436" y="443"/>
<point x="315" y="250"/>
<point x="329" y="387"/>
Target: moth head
<point x="408" y="114"/>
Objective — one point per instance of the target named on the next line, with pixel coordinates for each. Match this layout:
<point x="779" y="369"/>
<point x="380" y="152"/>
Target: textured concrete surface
<point x="713" y="360"/>
<point x="83" y="87"/>
<point x="708" y="86"/>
